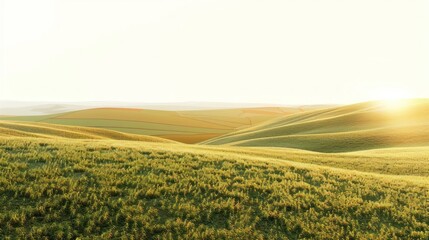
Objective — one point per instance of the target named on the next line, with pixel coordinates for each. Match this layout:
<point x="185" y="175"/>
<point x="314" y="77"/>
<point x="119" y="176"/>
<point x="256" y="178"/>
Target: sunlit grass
<point x="64" y="182"/>
<point x="106" y="189"/>
<point x="363" y="126"/>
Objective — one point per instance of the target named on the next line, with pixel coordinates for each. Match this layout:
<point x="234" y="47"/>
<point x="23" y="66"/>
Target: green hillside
<point x="182" y="126"/>
<point x="108" y="189"/>
<point x="356" y="127"/>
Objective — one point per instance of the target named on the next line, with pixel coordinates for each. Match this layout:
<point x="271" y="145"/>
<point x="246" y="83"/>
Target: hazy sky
<point x="287" y="52"/>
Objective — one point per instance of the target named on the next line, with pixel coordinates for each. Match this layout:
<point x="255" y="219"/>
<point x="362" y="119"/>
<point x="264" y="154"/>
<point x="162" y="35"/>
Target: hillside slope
<point x="355" y="127"/>
<point x="182" y="126"/>
<point x="45" y="130"/>
<point x="70" y="188"/>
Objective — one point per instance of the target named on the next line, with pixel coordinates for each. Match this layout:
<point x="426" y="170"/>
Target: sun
<point x="394" y="104"/>
<point x="393" y="94"/>
<point x="392" y="99"/>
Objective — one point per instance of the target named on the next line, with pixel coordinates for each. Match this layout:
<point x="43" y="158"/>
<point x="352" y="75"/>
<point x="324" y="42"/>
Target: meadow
<point x="75" y="182"/>
<point x="101" y="189"/>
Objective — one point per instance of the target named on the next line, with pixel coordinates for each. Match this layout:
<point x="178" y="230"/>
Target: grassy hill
<point x="356" y="127"/>
<point x="107" y="189"/>
<point x="67" y="182"/>
<point x="45" y="130"/>
<point x="182" y="126"/>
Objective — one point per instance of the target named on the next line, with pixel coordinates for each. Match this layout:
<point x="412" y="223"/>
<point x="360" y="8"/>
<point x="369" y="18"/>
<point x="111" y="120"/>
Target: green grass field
<point x="63" y="189"/>
<point x="366" y="178"/>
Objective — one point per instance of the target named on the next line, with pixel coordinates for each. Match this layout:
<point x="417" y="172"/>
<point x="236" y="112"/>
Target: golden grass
<point x="69" y="182"/>
<point x="44" y="130"/>
<point x="69" y="188"/>
<point x="191" y="126"/>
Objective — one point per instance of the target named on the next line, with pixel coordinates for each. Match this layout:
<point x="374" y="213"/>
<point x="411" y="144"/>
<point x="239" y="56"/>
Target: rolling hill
<point x="44" y="130"/>
<point x="363" y="126"/>
<point x="69" y="182"/>
<point x="182" y="126"/>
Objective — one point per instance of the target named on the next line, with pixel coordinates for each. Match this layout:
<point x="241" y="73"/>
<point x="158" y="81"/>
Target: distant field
<point x="100" y="189"/>
<point x="356" y="127"/>
<point x="182" y="126"/>
<point x="44" y="130"/>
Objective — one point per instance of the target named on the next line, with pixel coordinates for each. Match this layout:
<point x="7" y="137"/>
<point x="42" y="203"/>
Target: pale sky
<point x="283" y="52"/>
